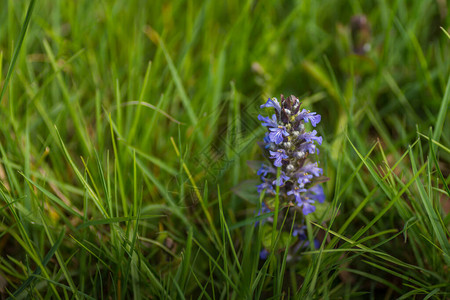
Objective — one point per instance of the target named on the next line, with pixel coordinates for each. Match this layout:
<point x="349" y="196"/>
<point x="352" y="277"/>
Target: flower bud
<point x="299" y="154"/>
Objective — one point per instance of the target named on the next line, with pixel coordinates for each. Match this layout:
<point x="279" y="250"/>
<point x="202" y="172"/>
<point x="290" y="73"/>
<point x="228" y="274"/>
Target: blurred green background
<point x="156" y="103"/>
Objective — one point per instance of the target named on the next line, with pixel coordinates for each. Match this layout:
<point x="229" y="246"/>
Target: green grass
<point x="126" y="128"/>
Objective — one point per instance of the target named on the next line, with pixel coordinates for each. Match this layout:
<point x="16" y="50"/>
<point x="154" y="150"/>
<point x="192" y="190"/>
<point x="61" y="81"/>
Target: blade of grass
<point x="16" y="52"/>
<point x="80" y="177"/>
<point x="154" y="36"/>
<point x="202" y="203"/>
<point x="443" y="112"/>
<point x="436" y="164"/>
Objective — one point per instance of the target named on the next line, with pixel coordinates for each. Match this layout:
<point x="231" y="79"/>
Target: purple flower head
<point x="276" y="134"/>
<point x="311" y="136"/>
<point x="288" y="145"/>
<point x="316" y="193"/>
<point x="268" y="122"/>
<point x="307" y="116"/>
<point x="278" y="155"/>
<point x="312" y="169"/>
<point x="272" y="103"/>
<point x="280" y="181"/>
<point x="296" y="192"/>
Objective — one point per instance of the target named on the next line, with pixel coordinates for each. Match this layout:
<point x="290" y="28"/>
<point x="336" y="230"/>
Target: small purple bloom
<point x="300" y="232"/>
<point x="276" y="134"/>
<point x="263" y="254"/>
<point x="263" y="170"/>
<point x="296" y="192"/>
<point x="312" y="169"/>
<point x="265" y="186"/>
<point x="272" y="103"/>
<point x="307" y="205"/>
<point x="304" y="178"/>
<point x="316" y="193"/>
<point x="264" y="210"/>
<point x="310" y="147"/>
<point x="307" y="116"/>
<point x="278" y="155"/>
<point x="268" y="122"/>
<point x="267" y="141"/>
<point x="311" y="136"/>
<point x="280" y="181"/>
<point x="316" y="244"/>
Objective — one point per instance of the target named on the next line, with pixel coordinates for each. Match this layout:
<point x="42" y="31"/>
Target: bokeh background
<point x="127" y="127"/>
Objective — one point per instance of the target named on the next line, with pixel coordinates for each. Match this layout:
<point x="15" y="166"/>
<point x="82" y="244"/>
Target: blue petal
<point x="308" y="208"/>
<point x="318" y="193"/>
<point x="267" y="121"/>
<point x="272" y="103"/>
<point x="312" y="117"/>
<point x="276" y="135"/>
<point x="278" y="162"/>
<point x="313" y="169"/>
<point x="311" y="136"/>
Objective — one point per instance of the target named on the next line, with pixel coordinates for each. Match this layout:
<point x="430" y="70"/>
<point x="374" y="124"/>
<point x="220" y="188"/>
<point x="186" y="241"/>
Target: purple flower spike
<point x="278" y="155"/>
<point x="308" y="116"/>
<point x="276" y="134"/>
<point x="272" y="103"/>
<point x="288" y="145"/>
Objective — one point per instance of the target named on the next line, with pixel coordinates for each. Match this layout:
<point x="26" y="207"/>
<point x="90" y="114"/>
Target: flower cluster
<point x="291" y="148"/>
